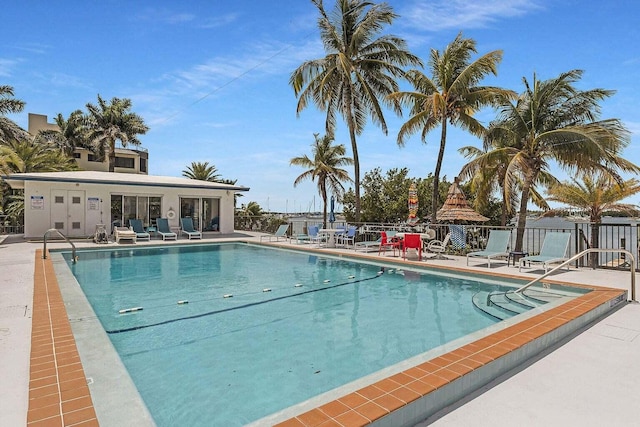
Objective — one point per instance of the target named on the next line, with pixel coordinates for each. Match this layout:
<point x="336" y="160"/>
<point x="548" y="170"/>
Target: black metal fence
<point x="610" y="235"/>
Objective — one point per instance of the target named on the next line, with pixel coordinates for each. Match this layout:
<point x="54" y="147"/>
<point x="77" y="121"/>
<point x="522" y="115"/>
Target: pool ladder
<point x="74" y="258"/>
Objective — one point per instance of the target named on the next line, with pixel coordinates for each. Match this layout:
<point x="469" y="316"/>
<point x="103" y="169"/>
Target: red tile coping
<point x="374" y="401"/>
<point x="59" y="395"/>
<point x="58" y="391"/>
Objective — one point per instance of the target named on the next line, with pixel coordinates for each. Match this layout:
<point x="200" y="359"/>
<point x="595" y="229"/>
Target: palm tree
<point x="359" y="70"/>
<point x="113" y="122"/>
<point x="10" y="105"/>
<point x="554" y="121"/>
<point x="595" y="195"/>
<point x="28" y="156"/>
<point x="71" y="133"/>
<point x="325" y="166"/>
<point x="451" y="95"/>
<point x="202" y="171"/>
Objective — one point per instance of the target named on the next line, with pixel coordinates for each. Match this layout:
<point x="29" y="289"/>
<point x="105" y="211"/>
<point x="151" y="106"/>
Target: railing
<point x="73" y="247"/>
<point x="580" y="255"/>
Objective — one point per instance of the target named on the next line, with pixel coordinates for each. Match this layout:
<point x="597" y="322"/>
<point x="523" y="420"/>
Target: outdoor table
<point x="515" y="256"/>
<point x="331" y="243"/>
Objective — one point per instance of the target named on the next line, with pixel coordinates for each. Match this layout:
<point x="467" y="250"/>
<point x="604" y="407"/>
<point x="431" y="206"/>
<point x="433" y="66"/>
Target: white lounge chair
<point x="554" y="249"/>
<point x="497" y="246"/>
<point x="124" y="233"/>
<point x="186" y="227"/>
<point x="164" y="231"/>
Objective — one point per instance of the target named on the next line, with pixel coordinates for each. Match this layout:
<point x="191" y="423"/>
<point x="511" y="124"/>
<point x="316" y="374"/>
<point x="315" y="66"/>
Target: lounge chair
<point x="186" y="227"/>
<point x="368" y="245"/>
<point x="497" y="246"/>
<point x="124" y="233"/>
<point x="280" y="232"/>
<point x="164" y="231"/>
<point x="136" y="226"/>
<point x="554" y="249"/>
<point x="439" y="246"/>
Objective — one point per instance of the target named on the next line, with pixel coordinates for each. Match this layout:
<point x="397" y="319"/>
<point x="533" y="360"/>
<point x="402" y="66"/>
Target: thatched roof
<point x="456" y="207"/>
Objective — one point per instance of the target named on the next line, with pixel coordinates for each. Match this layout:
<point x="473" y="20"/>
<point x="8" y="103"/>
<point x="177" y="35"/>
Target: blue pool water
<point x="218" y="361"/>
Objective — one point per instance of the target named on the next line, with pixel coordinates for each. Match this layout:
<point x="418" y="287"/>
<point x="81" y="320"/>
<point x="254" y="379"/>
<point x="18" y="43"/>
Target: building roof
<point x="17" y="180"/>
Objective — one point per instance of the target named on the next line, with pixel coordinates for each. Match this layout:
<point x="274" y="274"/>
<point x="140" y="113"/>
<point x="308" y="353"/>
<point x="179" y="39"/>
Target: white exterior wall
<point x="41" y="212"/>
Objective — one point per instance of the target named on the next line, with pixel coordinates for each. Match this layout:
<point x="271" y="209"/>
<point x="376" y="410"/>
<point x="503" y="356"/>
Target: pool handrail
<point x="583" y="253"/>
<point x="74" y="258"/>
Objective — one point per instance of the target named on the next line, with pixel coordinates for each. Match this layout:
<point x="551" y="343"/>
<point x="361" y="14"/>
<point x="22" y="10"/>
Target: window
<point x="93" y="158"/>
<point x="59" y="199"/>
<point x="145" y="208"/>
<point x="143" y="165"/>
<point x="125" y="162"/>
<point x="76" y="155"/>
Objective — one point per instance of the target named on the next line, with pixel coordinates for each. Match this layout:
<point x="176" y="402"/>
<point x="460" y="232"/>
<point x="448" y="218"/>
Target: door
<point x="67" y="212"/>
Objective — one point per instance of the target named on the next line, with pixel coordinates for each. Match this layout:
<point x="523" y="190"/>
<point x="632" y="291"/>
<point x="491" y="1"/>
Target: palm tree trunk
<point x="595" y="242"/>
<point x="112" y="156"/>
<point x="522" y="215"/>
<point x="435" y="197"/>
<point x="356" y="160"/>
<point x="323" y="194"/>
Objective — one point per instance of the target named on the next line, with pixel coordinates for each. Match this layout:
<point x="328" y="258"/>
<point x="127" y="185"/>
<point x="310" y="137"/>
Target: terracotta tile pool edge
<point x="58" y="391"/>
<point x="445" y="379"/>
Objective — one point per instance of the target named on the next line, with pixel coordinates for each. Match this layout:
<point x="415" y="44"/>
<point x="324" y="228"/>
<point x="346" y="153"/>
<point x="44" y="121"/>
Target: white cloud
<point x="7" y="66"/>
<point x="446" y="14"/>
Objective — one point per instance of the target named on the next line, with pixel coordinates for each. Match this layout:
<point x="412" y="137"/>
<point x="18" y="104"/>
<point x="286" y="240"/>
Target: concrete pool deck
<point x="588" y="381"/>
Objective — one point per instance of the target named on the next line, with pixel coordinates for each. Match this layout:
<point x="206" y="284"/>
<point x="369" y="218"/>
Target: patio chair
<point x="412" y="241"/>
<point x="124" y="233"/>
<point x="186" y="227"/>
<point x="439" y="246"/>
<point x="164" y="230"/>
<point x="280" y="232"/>
<point x="315" y="236"/>
<point x="349" y="236"/>
<point x="497" y="246"/>
<point x="388" y="242"/>
<point x="137" y="227"/>
<point x="554" y="249"/>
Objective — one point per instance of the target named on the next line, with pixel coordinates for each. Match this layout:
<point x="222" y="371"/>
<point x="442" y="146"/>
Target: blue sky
<point x="211" y="78"/>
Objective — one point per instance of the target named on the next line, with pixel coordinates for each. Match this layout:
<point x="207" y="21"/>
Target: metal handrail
<point x="73" y="247"/>
<point x="580" y="255"/>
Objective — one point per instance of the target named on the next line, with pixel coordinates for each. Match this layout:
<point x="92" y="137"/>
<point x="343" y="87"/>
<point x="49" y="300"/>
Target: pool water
<point x="263" y="329"/>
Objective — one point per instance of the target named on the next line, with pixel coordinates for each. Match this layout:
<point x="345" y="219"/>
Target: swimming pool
<point x="291" y="326"/>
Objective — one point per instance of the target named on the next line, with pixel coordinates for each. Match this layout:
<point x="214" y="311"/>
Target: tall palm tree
<point x="595" y="195"/>
<point x="202" y="171"/>
<point x="325" y="166"/>
<point x="553" y="121"/>
<point x="357" y="73"/>
<point x="111" y="122"/>
<point x="451" y="95"/>
<point x="10" y="105"/>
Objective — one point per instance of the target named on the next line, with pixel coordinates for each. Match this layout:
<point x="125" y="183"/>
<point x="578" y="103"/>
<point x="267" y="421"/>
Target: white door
<point x="67" y="212"/>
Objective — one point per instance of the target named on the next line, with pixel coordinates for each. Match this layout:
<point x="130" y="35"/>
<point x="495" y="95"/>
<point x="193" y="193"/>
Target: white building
<point x="75" y="202"/>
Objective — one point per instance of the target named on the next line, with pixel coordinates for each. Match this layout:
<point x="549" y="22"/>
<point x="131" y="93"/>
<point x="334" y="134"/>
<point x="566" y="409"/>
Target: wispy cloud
<point x="7" y="66"/>
<point x="170" y="17"/>
<point x="445" y="14"/>
<point x="38" y="48"/>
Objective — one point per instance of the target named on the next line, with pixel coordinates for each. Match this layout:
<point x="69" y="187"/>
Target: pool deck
<point x="590" y="380"/>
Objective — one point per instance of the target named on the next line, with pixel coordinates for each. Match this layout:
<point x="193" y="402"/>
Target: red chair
<point x="386" y="243"/>
<point x="412" y="241"/>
